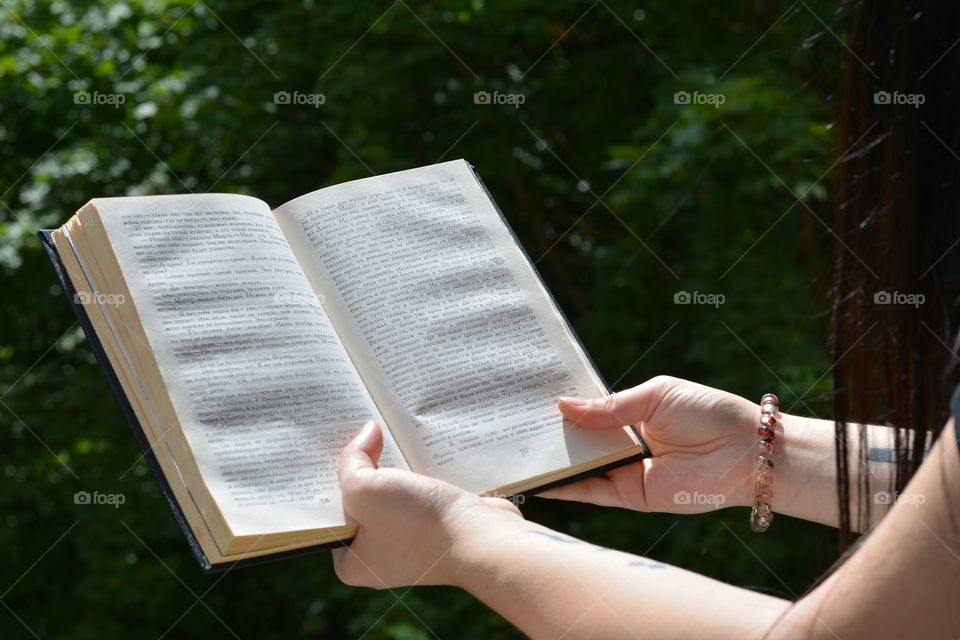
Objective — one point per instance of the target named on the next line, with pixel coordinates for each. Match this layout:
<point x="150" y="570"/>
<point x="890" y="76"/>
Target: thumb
<point x="630" y="406"/>
<point x="362" y="453"/>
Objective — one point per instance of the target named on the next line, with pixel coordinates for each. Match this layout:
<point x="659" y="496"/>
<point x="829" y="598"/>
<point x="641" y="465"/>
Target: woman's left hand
<point x="412" y="529"/>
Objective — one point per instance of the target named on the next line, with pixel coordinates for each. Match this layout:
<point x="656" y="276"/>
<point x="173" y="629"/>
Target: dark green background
<point x="691" y="198"/>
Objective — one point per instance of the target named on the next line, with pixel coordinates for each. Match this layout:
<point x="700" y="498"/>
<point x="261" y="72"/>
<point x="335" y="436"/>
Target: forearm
<point x="805" y="476"/>
<point x="551" y="585"/>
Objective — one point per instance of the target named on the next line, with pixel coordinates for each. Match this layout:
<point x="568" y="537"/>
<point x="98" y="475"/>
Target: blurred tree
<point x="624" y="192"/>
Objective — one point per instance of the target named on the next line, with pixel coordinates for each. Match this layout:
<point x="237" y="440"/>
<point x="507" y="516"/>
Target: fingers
<point x="340" y="565"/>
<point x="504" y="504"/>
<point x="353" y="571"/>
<point x="616" y="410"/>
<point x="362" y="453"/>
<point x="621" y="487"/>
<point x="597" y="490"/>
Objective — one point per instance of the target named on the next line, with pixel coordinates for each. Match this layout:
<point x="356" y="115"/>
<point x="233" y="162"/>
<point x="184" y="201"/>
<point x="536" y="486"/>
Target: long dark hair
<point x="897" y="223"/>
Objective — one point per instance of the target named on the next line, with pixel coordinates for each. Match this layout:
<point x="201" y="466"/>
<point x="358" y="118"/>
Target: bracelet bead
<point x="761" y="515"/>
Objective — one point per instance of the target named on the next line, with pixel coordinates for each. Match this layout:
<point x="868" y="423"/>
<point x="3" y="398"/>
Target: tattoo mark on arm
<point x="639" y="562"/>
<point x="877" y="454"/>
<point x="557" y="538"/>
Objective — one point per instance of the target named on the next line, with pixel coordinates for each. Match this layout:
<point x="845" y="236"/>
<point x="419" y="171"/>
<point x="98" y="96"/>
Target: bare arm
<point x="806" y="475"/>
<point x="554" y="586"/>
<point x="904" y="581"/>
<point x="704" y="446"/>
<point x="415" y="530"/>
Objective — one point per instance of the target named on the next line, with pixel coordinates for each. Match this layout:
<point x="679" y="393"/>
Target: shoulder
<point x="902" y="580"/>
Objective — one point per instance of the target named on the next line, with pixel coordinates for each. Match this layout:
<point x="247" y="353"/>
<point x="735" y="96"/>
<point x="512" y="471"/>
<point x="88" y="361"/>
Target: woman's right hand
<point x="703" y="442"/>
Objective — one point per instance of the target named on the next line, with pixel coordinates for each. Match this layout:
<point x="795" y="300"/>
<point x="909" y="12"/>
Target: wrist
<point x="744" y="473"/>
<point x="804" y="483"/>
<point x="476" y="536"/>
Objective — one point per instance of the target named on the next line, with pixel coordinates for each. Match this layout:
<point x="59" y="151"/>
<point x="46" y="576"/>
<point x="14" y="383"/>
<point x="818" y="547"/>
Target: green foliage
<point x="693" y="197"/>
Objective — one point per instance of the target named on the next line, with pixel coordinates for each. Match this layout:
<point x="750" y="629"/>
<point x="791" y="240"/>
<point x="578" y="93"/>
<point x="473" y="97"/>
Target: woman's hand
<point x="411" y="529"/>
<point x="703" y="441"/>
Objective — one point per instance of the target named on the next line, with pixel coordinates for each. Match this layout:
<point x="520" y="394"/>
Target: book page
<point x="265" y="393"/>
<point x="449" y="325"/>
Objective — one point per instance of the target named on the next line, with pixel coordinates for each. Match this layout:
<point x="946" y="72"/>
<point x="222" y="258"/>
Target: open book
<point x="251" y="344"/>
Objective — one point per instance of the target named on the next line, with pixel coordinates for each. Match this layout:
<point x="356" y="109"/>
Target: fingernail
<point x="575" y="402"/>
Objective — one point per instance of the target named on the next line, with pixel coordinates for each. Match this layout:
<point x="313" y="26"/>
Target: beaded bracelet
<point x="762" y="515"/>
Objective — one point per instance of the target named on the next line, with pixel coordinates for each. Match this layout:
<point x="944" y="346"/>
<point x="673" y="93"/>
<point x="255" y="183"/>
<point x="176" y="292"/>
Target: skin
<point x="901" y="582"/>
